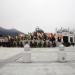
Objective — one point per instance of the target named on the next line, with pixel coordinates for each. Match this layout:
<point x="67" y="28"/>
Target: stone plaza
<point x="44" y="61"/>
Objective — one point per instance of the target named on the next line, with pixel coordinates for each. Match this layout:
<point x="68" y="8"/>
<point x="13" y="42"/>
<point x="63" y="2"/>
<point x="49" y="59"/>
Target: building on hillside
<point x="65" y="35"/>
<point x="3" y="39"/>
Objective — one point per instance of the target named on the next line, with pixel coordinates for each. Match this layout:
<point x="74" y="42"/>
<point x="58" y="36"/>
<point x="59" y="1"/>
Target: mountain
<point x="2" y="31"/>
<point x="11" y="32"/>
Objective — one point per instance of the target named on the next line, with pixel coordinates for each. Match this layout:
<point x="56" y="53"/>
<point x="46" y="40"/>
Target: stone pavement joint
<point x="10" y="60"/>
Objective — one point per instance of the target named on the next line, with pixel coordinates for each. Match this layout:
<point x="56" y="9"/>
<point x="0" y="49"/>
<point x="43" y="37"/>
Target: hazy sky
<point x="25" y="15"/>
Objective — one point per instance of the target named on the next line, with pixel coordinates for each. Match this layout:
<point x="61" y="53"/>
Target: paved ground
<point x="11" y="62"/>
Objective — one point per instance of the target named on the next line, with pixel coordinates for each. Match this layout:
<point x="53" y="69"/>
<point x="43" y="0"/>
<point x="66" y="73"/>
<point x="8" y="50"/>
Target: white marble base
<point x="27" y="57"/>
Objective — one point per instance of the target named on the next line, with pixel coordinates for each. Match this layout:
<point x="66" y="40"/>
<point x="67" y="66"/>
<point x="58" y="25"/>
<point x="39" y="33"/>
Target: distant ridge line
<point x="11" y="32"/>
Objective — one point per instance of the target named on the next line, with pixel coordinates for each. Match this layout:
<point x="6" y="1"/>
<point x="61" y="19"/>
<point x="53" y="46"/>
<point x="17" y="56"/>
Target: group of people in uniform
<point x="40" y="43"/>
<point x="11" y="44"/>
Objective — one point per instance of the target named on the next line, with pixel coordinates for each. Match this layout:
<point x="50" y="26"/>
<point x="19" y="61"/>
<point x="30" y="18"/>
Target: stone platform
<point x="11" y="62"/>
